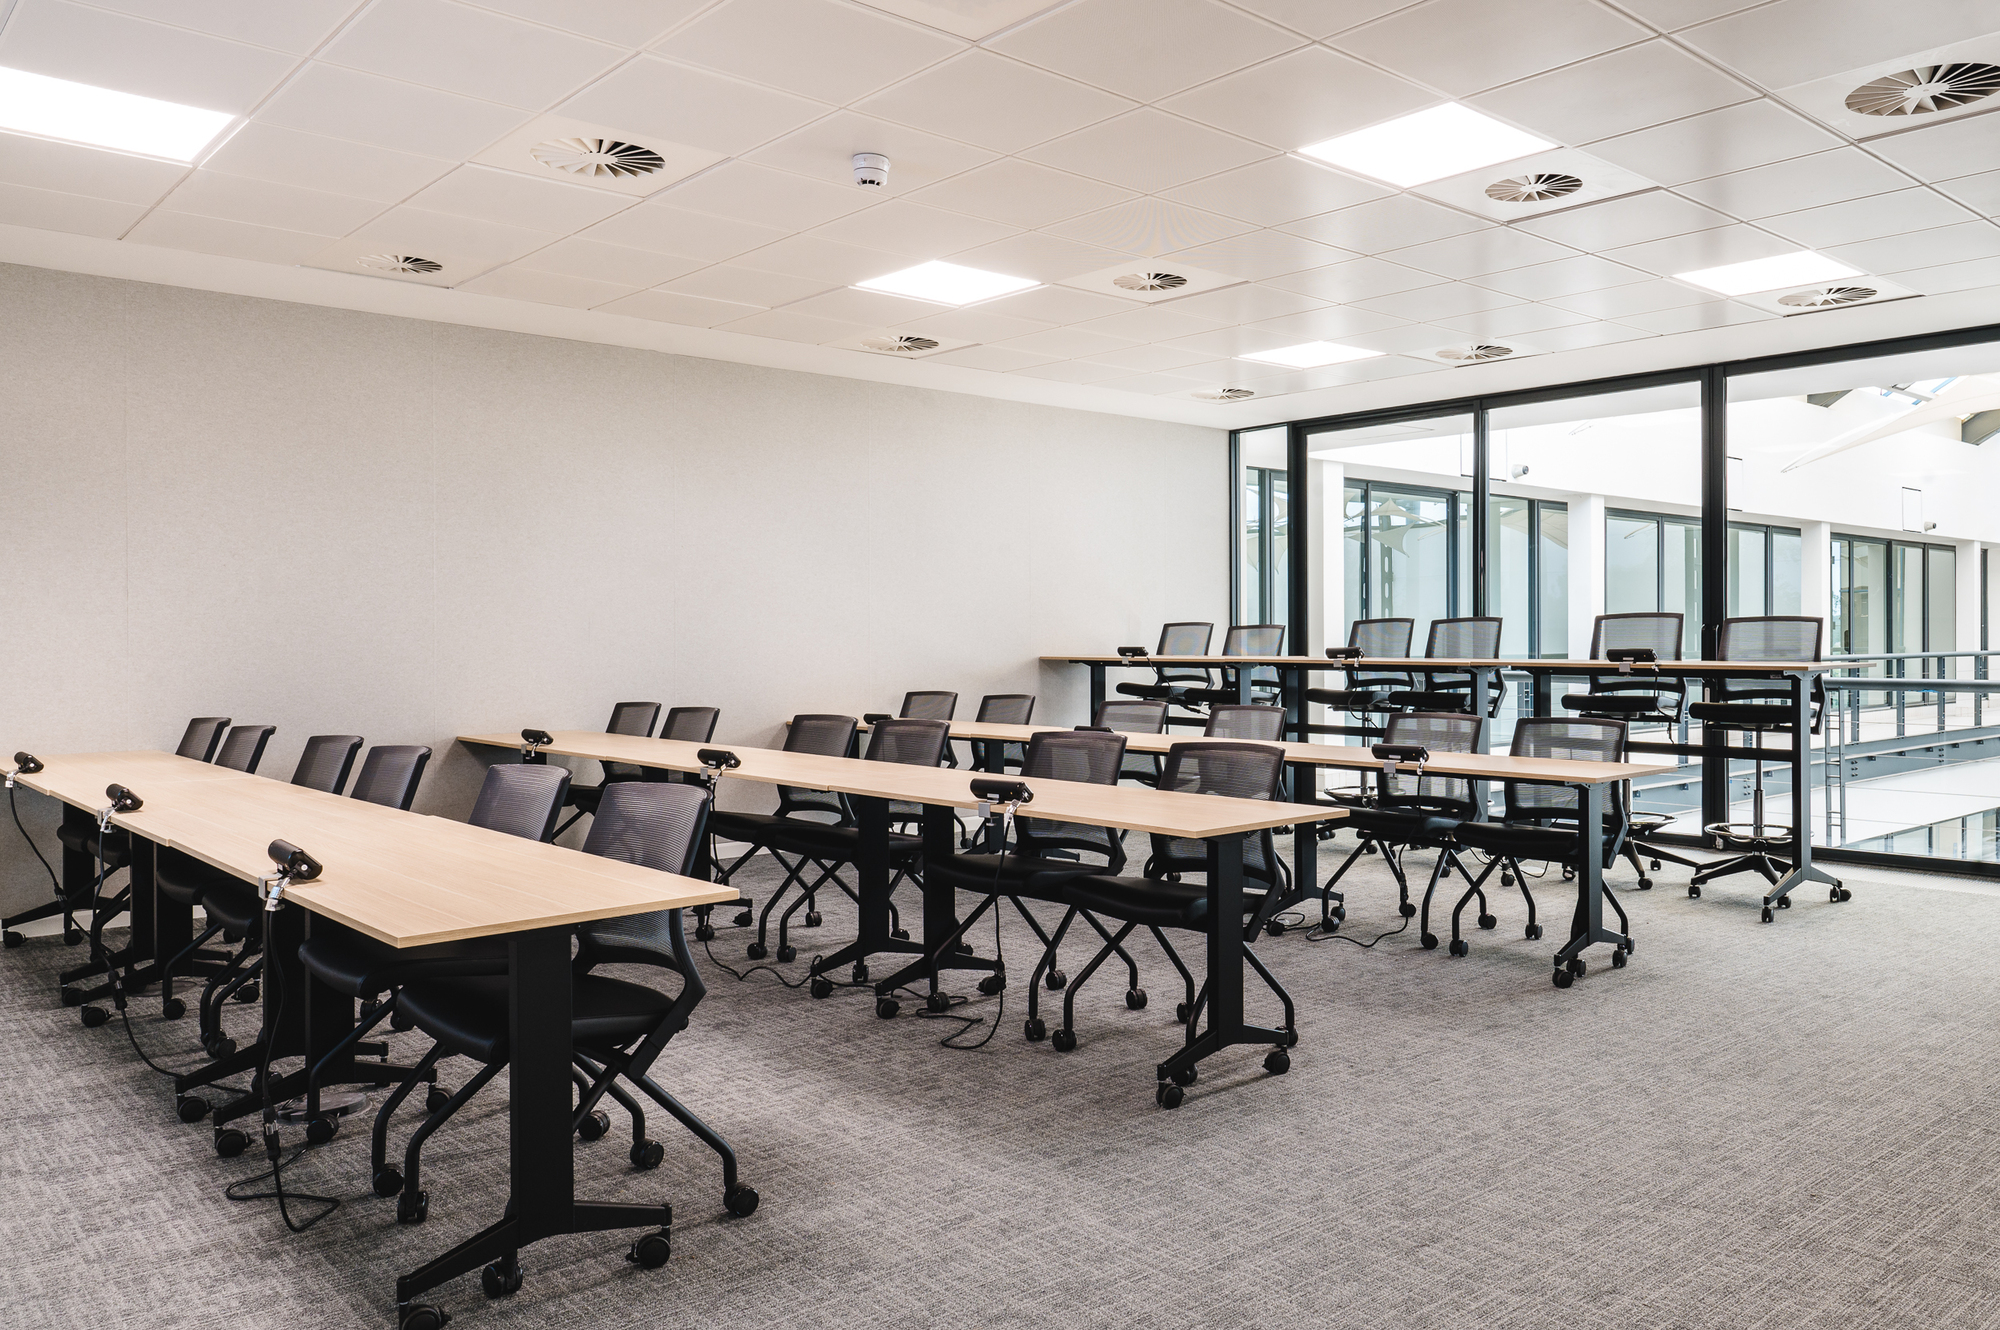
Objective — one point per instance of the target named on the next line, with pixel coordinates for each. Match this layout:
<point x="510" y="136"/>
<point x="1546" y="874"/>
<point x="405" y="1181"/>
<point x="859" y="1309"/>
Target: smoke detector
<point x="1537" y="188"/>
<point x="900" y="345"/>
<point x="403" y="263"/>
<point x="1790" y="300"/>
<point x="1149" y="281"/>
<point x="1225" y="394"/>
<point x="1926" y="89"/>
<point x="597" y="159"/>
<point x="871" y="169"/>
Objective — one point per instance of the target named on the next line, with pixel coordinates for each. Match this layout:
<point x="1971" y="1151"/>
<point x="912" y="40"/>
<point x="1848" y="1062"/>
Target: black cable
<point x="1314" y="934"/>
<point x="16" y="811"/>
<point x="272" y="1148"/>
<point x="1000" y="963"/>
<point x="741" y="975"/>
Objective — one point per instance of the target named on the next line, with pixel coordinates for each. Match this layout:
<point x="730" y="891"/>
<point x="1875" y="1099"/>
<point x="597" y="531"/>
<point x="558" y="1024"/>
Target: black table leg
<point x="1587" y="924"/>
<point x="873" y="875"/>
<point x="1222" y="994"/>
<point x="1096" y="690"/>
<point x="1803" y="870"/>
<point x="942" y="929"/>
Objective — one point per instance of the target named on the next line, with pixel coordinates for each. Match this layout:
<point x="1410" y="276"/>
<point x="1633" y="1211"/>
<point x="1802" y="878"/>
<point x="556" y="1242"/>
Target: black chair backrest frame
<point x="1184" y="639"/>
<point x="827" y="736"/>
<point x="327" y="761"/>
<point x="243" y="749"/>
<point x="1090" y="756"/>
<point x="1253" y="722"/>
<point x="1440" y="732"/>
<point x="1573" y="738"/>
<point x="390" y="775"/>
<point x="522" y="799"/>
<point x="202" y="738"/>
<point x="1234" y="770"/>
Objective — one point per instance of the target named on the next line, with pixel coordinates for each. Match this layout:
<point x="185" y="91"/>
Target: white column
<point x="1965" y="630"/>
<point x="1816" y="574"/>
<point x="1586" y="569"/>
<point x="1328" y="553"/>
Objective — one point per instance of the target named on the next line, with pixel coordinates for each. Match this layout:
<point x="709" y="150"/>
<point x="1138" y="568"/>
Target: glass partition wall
<point x="1849" y="486"/>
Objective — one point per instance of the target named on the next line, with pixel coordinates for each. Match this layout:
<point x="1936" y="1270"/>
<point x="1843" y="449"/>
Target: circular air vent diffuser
<point x="1226" y="395"/>
<point x="1476" y="351"/>
<point x="1925" y="89"/>
<point x="399" y="263"/>
<point x="1822" y="296"/>
<point x="900" y="345"/>
<point x="1537" y="188"/>
<point x="597" y="158"/>
<point x="1149" y="281"/>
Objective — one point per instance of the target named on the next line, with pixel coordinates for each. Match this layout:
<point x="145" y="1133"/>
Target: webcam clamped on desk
<point x="875" y="717"/>
<point x="295" y="864"/>
<point x="1344" y="653"/>
<point x="1389" y="755"/>
<point x="1009" y="794"/>
<point x="1627" y="657"/>
<point x="718" y="759"/>
<point x="25" y="764"/>
<point x="532" y="744"/>
<point x="123" y="800"/>
<point x="1131" y="653"/>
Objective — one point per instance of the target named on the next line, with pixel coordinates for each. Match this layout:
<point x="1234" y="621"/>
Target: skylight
<point x="1794" y="269"/>
<point x="947" y="283"/>
<point x="1311" y="355"/>
<point x="1416" y="149"/>
<point x="58" y="109"/>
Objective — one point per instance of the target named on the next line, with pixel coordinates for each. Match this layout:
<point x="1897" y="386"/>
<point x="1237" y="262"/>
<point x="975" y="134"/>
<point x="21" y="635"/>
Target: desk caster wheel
<point x="822" y="987"/>
<point x="71" y="997"/>
<point x="1563" y="978"/>
<point x="1274" y="927"/>
<point x="1839" y="894"/>
<point x="94" y="1017"/>
<point x="1186" y="1076"/>
<point x="1459" y="947"/>
<point x="72" y="937"/>
<point x="1063" y="1041"/>
<point x="756" y="951"/>
<point x="413" y="1209"/>
<point x="1694" y="891"/>
<point x="787" y="954"/>
<point x="646" y="1155"/>
<point x="813" y="919"/>
<point x="423" y="1316"/>
<point x="387" y="1182"/>
<point x="1533" y="932"/>
<point x="190" y="1108"/>
<point x="1407" y="909"/>
<point x="400" y="1023"/>
<point x="502" y="1278"/>
<point x="900" y="934"/>
<point x="1645" y="884"/>
<point x="1181" y="1010"/>
<point x="230" y="1143"/>
<point x="1768" y="916"/>
<point x="962" y="948"/>
<point x="937" y="1004"/>
<point x="1340" y="913"/>
<point x="1430" y="941"/>
<point x="1488" y="921"/>
<point x="14" y="939"/>
<point x="1169" y="1095"/>
<point x="887" y="1008"/>
<point x="651" y="1252"/>
<point x="704" y="931"/>
<point x="860" y="974"/>
<point x="248" y="993"/>
<point x="1035" y="1029"/>
<point x="436" y="1098"/>
<point x="1135" y="999"/>
<point x="322" y="1129"/>
<point x="744" y="919"/>
<point x="1578" y="966"/>
<point x="992" y="984"/>
<point x="1056" y="981"/>
<point x="1784" y="902"/>
<point x="594" y="1125"/>
<point x="1277" y="1062"/>
<point x="173" y="1009"/>
<point x="1618" y="959"/>
<point x="220" y="1047"/>
<point x="741" y="1202"/>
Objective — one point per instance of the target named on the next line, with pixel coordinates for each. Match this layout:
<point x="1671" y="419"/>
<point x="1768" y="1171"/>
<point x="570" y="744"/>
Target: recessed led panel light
<point x="1795" y="269"/>
<point x="1311" y="355"/>
<point x="947" y="283"/>
<point x="1429" y="145"/>
<point x="102" y="118"/>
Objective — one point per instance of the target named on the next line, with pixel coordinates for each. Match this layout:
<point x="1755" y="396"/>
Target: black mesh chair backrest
<point x="390" y="775"/>
<point x="695" y="725"/>
<point x="1007" y="708"/>
<point x="1658" y="630"/>
<point x="1184" y="639"/>
<point x="1579" y="739"/>
<point x="1234" y="771"/>
<point x="1459" y="639"/>
<point x="928" y="706"/>
<point x="1133" y="717"/>
<point x="1233" y="720"/>
<point x="522" y="800"/>
<point x="1381" y="639"/>
<point x="654" y="825"/>
<point x="1777" y="637"/>
<point x="203" y="736"/>
<point x="913" y="742"/>
<point x="326" y="761"/>
<point x="1089" y="756"/>
<point x="827" y="736"/>
<point x="1255" y="639"/>
<point x="635" y="718"/>
<point x="1440" y="732"/>
<point x="244" y="748"/>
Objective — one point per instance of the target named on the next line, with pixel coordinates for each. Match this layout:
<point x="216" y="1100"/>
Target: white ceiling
<point x="1059" y="142"/>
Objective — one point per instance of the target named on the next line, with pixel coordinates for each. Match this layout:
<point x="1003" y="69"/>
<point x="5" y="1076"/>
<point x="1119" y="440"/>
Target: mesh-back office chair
<point x="1044" y="853"/>
<point x="1408" y="812"/>
<point x="390" y="775"/>
<point x="1164" y="898"/>
<point x="1758" y="707"/>
<point x="929" y="706"/>
<point x="1236" y="720"/>
<point x="326" y="762"/>
<point x="1135" y="718"/>
<point x="829" y="848"/>
<point x="243" y="748"/>
<point x="1243" y="639"/>
<point x="1367" y="690"/>
<point x="1002" y="709"/>
<point x="825" y="736"/>
<point x="618" y="1027"/>
<point x="1543" y="822"/>
<point x="694" y="725"/>
<point x="1176" y="639"/>
<point x="1471" y="638"/>
<point x="634" y="718"/>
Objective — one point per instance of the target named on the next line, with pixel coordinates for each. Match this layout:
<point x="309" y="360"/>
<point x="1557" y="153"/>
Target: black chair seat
<point x="469" y="1016"/>
<point x="1404" y="826"/>
<point x="757" y="827"/>
<point x="1615" y="705"/>
<point x="234" y="905"/>
<point x="1349" y="699"/>
<point x="1429" y="701"/>
<point x="797" y="836"/>
<point x="1152" y="692"/>
<point x="1519" y="840"/>
<point x="186" y="879"/>
<point x="1743" y="715"/>
<point x="1223" y="695"/>
<point x="1008" y="874"/>
<point x="358" y="965"/>
<point x="1141" y="900"/>
<point x="80" y="840"/>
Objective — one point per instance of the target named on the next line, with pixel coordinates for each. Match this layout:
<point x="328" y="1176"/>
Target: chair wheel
<point x="1488" y="921"/>
<point x="1430" y="941"/>
<point x="1459" y="946"/>
<point x="594" y="1125"/>
<point x="887" y="1008"/>
<point x="1843" y="894"/>
<point x="72" y="937"/>
<point x="937" y="1003"/>
<point x="1340" y="913"/>
<point x="401" y="1023"/>
<point x="1056" y="981"/>
<point x="788" y="953"/>
<point x="860" y="973"/>
<point x="248" y="993"/>
<point x="1618" y="959"/>
<point x="1784" y="902"/>
<point x="413" y="1209"/>
<point x="94" y="1017"/>
<point x="1533" y="932"/>
<point x="436" y="1098"/>
<point x="12" y="939"/>
<point x="173" y="1009"/>
<point x="1578" y="966"/>
<point x="704" y="931"/>
<point x="1181" y="1010"/>
<point x="1135" y="998"/>
<point x="1169" y="1095"/>
<point x="1645" y="884"/>
<point x="322" y="1129"/>
<point x="190" y="1107"/>
<point x="756" y="951"/>
<point x="962" y="948"/>
<point x="992" y="984"/>
<point x="387" y="1182"/>
<point x="220" y="1047"/>
<point x="1186" y="1076"/>
<point x="813" y="919"/>
<point x="501" y="1278"/>
<point x="647" y="1154"/>
<point x="1277" y="1062"/>
<point x="742" y="1202"/>
<point x="1407" y="909"/>
<point x="900" y="934"/>
<point x="1063" y="1041"/>
<point x="651" y="1252"/>
<point x="744" y="919"/>
<point x="71" y="997"/>
<point x="1694" y="891"/>
<point x="1768" y="915"/>
<point x="822" y="987"/>
<point x="1274" y="927"/>
<point x="1563" y="978"/>
<point x="229" y="1142"/>
<point x="1035" y="1029"/>
<point x="423" y="1316"/>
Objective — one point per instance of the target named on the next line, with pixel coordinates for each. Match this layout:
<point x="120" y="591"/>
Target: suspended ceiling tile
<point x="52" y="210"/>
<point x="997" y="359"/>
<point x="1564" y="277"/>
<point x="1303" y="97"/>
<point x="1621" y="302"/>
<point x="1689" y="318"/>
<point x="656" y="98"/>
<point x="824" y="261"/>
<point x="469" y="51"/>
<point x="68" y="168"/>
<point x="1230" y="342"/>
<point x="1258" y="255"/>
<point x="1152" y="384"/>
<point x="1278" y="190"/>
<point x="1716" y="142"/>
<point x="1147" y="150"/>
<point x="1802" y="182"/>
<point x="1148" y="359"/>
<point x="981" y="323"/>
<point x="1615" y="93"/>
<point x="544" y="288"/>
<point x="1702" y="249"/>
<point x="347" y="104"/>
<point x="820" y="48"/>
<point x="295" y="27"/>
<point x="519" y="200"/>
<point x="1583" y="335"/>
<point x="1321" y="18"/>
<point x="408" y="230"/>
<point x="992" y="101"/>
<point x="982" y="18"/>
<point x="787" y="326"/>
<point x="1669" y="15"/>
<point x="1069" y="343"/>
<point x="1384" y="224"/>
<point x="669" y="307"/>
<point x="1054" y="304"/>
<point x="1155" y="323"/>
<point x="1868" y="219"/>
<point x="745" y="286"/>
<point x="1922" y="249"/>
<point x="1360" y="279"/>
<point x="1793" y="41"/>
<point x="1144" y="49"/>
<point x="825" y="151"/>
<point x="1967" y="276"/>
<point x="1149" y="226"/>
<point x="613" y="265"/>
<point x="1404" y="337"/>
<point x="1536" y="185"/>
<point x="107" y="50"/>
<point x="653" y="225"/>
<point x="1632" y="220"/>
<point x="236" y="240"/>
<point x="1466" y="46"/>
<point x="872" y="308"/>
<point x="1039" y="256"/>
<point x="901" y="227"/>
<point x="264" y="203"/>
<point x="1245" y="304"/>
<point x="1945" y="151"/>
<point x="628" y="23"/>
<point x="1513" y="321"/>
<point x="1072" y="371"/>
<point x="747" y="192"/>
<point x="313" y="161"/>
<point x="1979" y="192"/>
<point x="1441" y="302"/>
<point x="1476" y="253"/>
<point x="1337" y="323"/>
<point x="1023" y="194"/>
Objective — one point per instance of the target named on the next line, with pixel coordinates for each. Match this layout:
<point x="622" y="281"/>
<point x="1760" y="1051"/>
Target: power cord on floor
<point x="772" y="970"/>
<point x="999" y="957"/>
<point x="273" y="1145"/>
<point x="13" y="808"/>
<point x="1319" y="933"/>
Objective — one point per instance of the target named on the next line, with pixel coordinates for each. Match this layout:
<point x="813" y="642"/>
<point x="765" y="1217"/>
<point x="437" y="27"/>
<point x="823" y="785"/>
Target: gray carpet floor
<point x="1789" y="1125"/>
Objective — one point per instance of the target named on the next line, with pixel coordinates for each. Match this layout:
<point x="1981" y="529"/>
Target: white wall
<point x="341" y="522"/>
